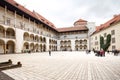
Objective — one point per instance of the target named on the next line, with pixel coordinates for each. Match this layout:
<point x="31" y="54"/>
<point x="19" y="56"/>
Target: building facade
<point x="22" y="31"/>
<point x="111" y="27"/>
<point x="74" y="38"/>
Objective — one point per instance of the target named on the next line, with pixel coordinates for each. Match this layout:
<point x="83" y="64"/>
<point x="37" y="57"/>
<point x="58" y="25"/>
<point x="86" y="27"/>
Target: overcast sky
<point x="63" y="13"/>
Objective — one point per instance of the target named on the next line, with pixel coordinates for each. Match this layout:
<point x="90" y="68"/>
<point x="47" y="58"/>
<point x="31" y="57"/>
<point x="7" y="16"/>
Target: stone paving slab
<point x="64" y="66"/>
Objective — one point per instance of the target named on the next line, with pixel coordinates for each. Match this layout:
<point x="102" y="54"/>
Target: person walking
<point x="49" y="53"/>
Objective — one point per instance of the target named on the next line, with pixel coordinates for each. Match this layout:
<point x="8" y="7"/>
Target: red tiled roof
<point x="19" y="6"/>
<point x="44" y="20"/>
<point x="81" y="20"/>
<point x="114" y="20"/>
<point x="71" y="29"/>
<point x="74" y="28"/>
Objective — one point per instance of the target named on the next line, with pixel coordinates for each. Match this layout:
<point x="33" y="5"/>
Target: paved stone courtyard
<point x="64" y="66"/>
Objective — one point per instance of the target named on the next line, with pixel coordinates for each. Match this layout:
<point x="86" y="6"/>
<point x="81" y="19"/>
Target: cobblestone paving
<point x="64" y="66"/>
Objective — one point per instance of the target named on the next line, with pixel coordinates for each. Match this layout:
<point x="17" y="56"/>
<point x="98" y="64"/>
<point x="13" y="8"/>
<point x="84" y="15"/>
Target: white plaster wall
<point x="19" y="40"/>
<point x="73" y="44"/>
<point x="58" y="45"/>
<point x="117" y="35"/>
<point x="1" y="49"/>
<point x="88" y="43"/>
<point x="47" y="43"/>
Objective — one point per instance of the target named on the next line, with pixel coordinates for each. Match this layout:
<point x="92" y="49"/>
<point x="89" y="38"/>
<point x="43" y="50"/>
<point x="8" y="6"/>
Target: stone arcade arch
<point x="49" y="47"/>
<point x="69" y="42"/>
<point x="26" y="47"/>
<point x="36" y="38"/>
<point x="81" y="41"/>
<point x="85" y="41"/>
<point x="76" y="47"/>
<point x="85" y="47"/>
<point x="31" y="37"/>
<point x="61" y="48"/>
<point x="76" y="42"/>
<point x="68" y="48"/>
<point x="10" y="33"/>
<point x="44" y="47"/>
<point x="81" y="47"/>
<point x="55" y="48"/>
<point x="2" y="31"/>
<point x="2" y="46"/>
<point x="41" y="47"/>
<point x="61" y="42"/>
<point x="26" y="36"/>
<point x="32" y="47"/>
<point x="41" y="39"/>
<point x="36" y="48"/>
<point x="44" y="39"/>
<point x="10" y="47"/>
<point x="49" y="41"/>
<point x="65" y="47"/>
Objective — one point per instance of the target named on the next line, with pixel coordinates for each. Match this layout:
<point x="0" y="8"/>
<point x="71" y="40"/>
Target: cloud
<point x="64" y="13"/>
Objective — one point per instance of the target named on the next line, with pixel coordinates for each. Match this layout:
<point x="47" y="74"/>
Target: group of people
<point x="102" y="52"/>
<point x="99" y="53"/>
<point x="115" y="52"/>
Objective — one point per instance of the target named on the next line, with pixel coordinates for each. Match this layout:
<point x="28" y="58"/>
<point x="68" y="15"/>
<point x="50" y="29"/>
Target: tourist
<point x="86" y="51"/>
<point x="116" y="52"/>
<point x="102" y="52"/>
<point x="49" y="53"/>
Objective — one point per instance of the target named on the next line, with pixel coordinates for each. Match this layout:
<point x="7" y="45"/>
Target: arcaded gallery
<point x="22" y="30"/>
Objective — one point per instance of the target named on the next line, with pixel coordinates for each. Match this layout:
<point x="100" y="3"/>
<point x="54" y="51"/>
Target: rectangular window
<point x="113" y="40"/>
<point x="113" y="32"/>
<point x="113" y="47"/>
<point x="105" y="34"/>
<point x="96" y="38"/>
<point x="8" y="21"/>
<point x="96" y="43"/>
<point x="21" y="25"/>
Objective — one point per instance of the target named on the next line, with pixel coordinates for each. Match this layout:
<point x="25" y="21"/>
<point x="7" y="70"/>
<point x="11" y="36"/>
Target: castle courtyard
<point x="75" y="65"/>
